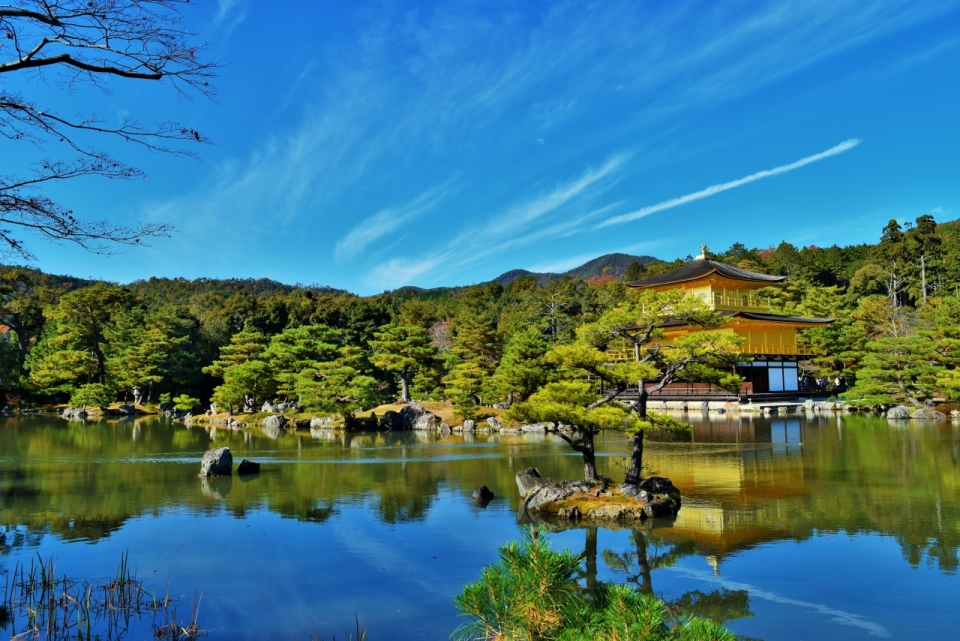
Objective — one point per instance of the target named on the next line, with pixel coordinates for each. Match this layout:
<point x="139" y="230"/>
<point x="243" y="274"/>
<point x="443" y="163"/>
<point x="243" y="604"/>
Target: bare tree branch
<point x="89" y="41"/>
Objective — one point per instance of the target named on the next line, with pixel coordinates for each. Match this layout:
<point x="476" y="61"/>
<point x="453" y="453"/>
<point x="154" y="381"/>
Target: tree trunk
<point x="646" y="584"/>
<point x="636" y="460"/>
<point x="589" y="456"/>
<point x="404" y="388"/>
<point x="923" y="276"/>
<point x="590" y="556"/>
<point x="642" y="397"/>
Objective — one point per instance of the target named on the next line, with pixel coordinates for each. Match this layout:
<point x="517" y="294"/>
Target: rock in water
<point x="494" y="423"/>
<point x="218" y="462"/>
<point x="928" y="415"/>
<point x="482" y="494"/>
<point x="529" y="480"/>
<point x="469" y="426"/>
<point x="900" y="411"/>
<point x="248" y="467"/>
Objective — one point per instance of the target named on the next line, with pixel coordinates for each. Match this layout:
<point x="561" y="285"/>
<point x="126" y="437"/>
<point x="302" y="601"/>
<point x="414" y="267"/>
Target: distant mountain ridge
<point x="615" y="263"/>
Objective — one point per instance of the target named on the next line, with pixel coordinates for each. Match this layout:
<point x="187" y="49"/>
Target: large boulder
<point x="547" y="492"/>
<point x="410" y="414"/>
<point x="470" y="426"/>
<point x="899" y="411"/>
<point x="494" y="423"/>
<point x="273" y="426"/>
<point x="74" y="413"/>
<point x="218" y="462"/>
<point x="927" y="414"/>
<point x="535" y="428"/>
<point x="320" y="423"/>
<point x="529" y="480"/>
<point x="277" y="421"/>
<point x="390" y="421"/>
<point x="127" y="409"/>
<point x="659" y="485"/>
<point x="426" y="421"/>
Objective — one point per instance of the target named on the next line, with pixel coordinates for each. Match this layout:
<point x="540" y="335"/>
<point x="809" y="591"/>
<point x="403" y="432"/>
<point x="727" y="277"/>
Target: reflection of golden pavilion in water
<point x="731" y="492"/>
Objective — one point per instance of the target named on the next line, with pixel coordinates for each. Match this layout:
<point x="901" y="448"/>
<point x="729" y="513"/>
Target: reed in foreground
<point x="531" y="595"/>
<point x="37" y="603"/>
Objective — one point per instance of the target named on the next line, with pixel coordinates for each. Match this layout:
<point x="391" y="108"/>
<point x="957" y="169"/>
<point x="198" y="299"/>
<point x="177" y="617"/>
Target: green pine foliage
<point x="531" y="595"/>
<point x="92" y="395"/>
<point x="486" y="343"/>
<point x="402" y="350"/>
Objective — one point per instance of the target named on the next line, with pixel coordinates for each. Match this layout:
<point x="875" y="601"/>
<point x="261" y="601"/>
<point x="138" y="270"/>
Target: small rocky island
<point x="598" y="500"/>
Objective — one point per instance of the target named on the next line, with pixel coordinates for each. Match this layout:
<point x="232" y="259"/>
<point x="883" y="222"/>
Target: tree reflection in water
<point x="721" y="605"/>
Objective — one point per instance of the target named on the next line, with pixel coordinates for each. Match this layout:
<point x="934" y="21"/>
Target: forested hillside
<point x="897" y="332"/>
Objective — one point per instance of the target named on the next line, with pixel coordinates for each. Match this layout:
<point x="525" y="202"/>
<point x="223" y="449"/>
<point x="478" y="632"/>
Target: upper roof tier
<point x="702" y="268"/>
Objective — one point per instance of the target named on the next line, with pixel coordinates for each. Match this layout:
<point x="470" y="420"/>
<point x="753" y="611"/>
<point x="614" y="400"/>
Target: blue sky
<point x="370" y="145"/>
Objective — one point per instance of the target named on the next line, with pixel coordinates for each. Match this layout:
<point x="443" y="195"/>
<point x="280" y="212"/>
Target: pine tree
<point x="243" y="347"/>
<point x="464" y="388"/>
<point x="524" y="367"/>
<point x="243" y="368"/>
<point x="300" y="348"/>
<point x="634" y="271"/>
<point x="73" y="347"/>
<point x="342" y="385"/>
<point x="403" y="351"/>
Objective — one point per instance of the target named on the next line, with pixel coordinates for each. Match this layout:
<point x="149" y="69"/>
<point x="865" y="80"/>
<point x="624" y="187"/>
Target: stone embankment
<point x="597" y="501"/>
<point x="809" y="407"/>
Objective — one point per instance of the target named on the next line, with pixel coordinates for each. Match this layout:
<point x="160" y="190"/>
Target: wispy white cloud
<point x="230" y="13"/>
<point x="520" y="224"/>
<point x="713" y="190"/>
<point x="387" y="221"/>
<point x="456" y="87"/>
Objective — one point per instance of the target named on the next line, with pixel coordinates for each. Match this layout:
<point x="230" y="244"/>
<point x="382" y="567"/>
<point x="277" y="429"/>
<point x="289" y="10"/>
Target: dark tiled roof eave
<point x="800" y="320"/>
<point x="701" y="268"/>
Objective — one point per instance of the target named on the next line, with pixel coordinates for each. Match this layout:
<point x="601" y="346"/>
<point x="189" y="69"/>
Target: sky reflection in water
<point x="792" y="528"/>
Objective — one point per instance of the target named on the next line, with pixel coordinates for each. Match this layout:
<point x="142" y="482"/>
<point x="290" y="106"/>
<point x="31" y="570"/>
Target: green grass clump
<point x="532" y="595"/>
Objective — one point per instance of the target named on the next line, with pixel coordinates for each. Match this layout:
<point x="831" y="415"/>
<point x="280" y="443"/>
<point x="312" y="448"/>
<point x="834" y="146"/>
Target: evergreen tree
<point x="73" y="347"/>
<point x="634" y="271"/>
<point x="924" y="248"/>
<point x="300" y="348"/>
<point x="243" y="347"/>
<point x="403" y="351"/>
<point x="243" y="368"/>
<point x="252" y="377"/>
<point x="342" y="385"/>
<point x="524" y="367"/>
<point x="893" y="253"/>
<point x="465" y="386"/>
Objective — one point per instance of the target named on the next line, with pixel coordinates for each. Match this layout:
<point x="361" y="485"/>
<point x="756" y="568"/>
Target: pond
<point x="797" y="527"/>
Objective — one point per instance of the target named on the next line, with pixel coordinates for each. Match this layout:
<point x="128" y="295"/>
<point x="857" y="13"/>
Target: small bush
<point x="92" y="395"/>
<point x="185" y="403"/>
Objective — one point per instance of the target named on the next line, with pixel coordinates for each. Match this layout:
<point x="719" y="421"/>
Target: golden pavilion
<point x="774" y="341"/>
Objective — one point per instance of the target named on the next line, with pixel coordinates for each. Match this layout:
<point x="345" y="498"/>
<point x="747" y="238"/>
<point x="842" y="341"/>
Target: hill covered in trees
<point x="897" y="334"/>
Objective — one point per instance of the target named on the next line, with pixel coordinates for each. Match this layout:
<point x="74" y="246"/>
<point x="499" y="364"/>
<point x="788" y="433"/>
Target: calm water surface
<point x="791" y="528"/>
